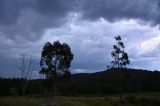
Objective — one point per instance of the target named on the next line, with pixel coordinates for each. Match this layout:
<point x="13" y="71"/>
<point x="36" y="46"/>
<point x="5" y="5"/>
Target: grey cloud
<point x="9" y="67"/>
<point x="30" y="26"/>
<point x="54" y="8"/>
<point x="29" y="18"/>
<point x="10" y="10"/>
<point x="151" y="63"/>
<point x="111" y="10"/>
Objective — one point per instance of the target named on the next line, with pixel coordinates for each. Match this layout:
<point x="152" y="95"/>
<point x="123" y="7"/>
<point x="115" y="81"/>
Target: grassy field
<point x="143" y="99"/>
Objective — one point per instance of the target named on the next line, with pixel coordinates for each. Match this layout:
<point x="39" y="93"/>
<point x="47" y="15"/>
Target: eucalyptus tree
<point x="120" y="58"/>
<point x="55" y="62"/>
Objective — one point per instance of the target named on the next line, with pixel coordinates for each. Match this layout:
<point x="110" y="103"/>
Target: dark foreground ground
<point x="140" y="99"/>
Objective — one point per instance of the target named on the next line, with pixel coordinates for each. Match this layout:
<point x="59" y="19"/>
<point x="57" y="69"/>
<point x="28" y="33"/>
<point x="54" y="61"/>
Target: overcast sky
<point x="88" y="26"/>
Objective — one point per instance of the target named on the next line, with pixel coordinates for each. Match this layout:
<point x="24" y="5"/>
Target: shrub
<point x="130" y="98"/>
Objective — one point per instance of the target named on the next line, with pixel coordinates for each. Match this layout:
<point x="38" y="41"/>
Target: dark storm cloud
<point x="28" y="18"/>
<point x="54" y="8"/>
<point x="147" y="10"/>
<point x="10" y="10"/>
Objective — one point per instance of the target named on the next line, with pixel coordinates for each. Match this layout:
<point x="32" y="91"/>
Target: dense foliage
<point x="55" y="62"/>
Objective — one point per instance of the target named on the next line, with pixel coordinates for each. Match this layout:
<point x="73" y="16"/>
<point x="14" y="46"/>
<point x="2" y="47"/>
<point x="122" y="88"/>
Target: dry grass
<point x="129" y="100"/>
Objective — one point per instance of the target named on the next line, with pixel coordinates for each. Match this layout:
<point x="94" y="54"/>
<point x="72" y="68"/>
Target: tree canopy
<point x="55" y="59"/>
<point x="120" y="57"/>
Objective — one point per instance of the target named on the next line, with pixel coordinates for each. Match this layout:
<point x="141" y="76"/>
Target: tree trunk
<point x="23" y="87"/>
<point x="54" y="89"/>
<point x="120" y="76"/>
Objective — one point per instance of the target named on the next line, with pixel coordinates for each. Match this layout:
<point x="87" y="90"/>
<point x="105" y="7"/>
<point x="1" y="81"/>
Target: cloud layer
<point x="88" y="26"/>
<point x="31" y="17"/>
<point x="122" y="9"/>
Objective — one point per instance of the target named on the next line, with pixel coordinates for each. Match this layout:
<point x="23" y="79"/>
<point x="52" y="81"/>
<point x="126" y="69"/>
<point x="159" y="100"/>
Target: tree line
<point x="100" y="83"/>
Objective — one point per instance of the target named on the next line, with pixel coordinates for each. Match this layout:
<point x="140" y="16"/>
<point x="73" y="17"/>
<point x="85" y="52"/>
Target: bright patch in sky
<point x="149" y="45"/>
<point x="92" y="42"/>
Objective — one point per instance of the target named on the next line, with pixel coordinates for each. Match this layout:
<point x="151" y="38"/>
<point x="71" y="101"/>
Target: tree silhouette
<point x="55" y="62"/>
<point x="26" y="72"/>
<point x="120" y="58"/>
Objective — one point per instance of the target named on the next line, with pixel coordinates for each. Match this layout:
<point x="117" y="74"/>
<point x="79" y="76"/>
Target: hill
<point x="110" y="81"/>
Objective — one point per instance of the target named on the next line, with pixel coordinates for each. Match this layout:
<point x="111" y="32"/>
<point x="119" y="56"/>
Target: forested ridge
<point x="98" y="83"/>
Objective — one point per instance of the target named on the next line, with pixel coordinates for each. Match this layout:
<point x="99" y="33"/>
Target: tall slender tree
<point x="55" y="62"/>
<point x="120" y="58"/>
